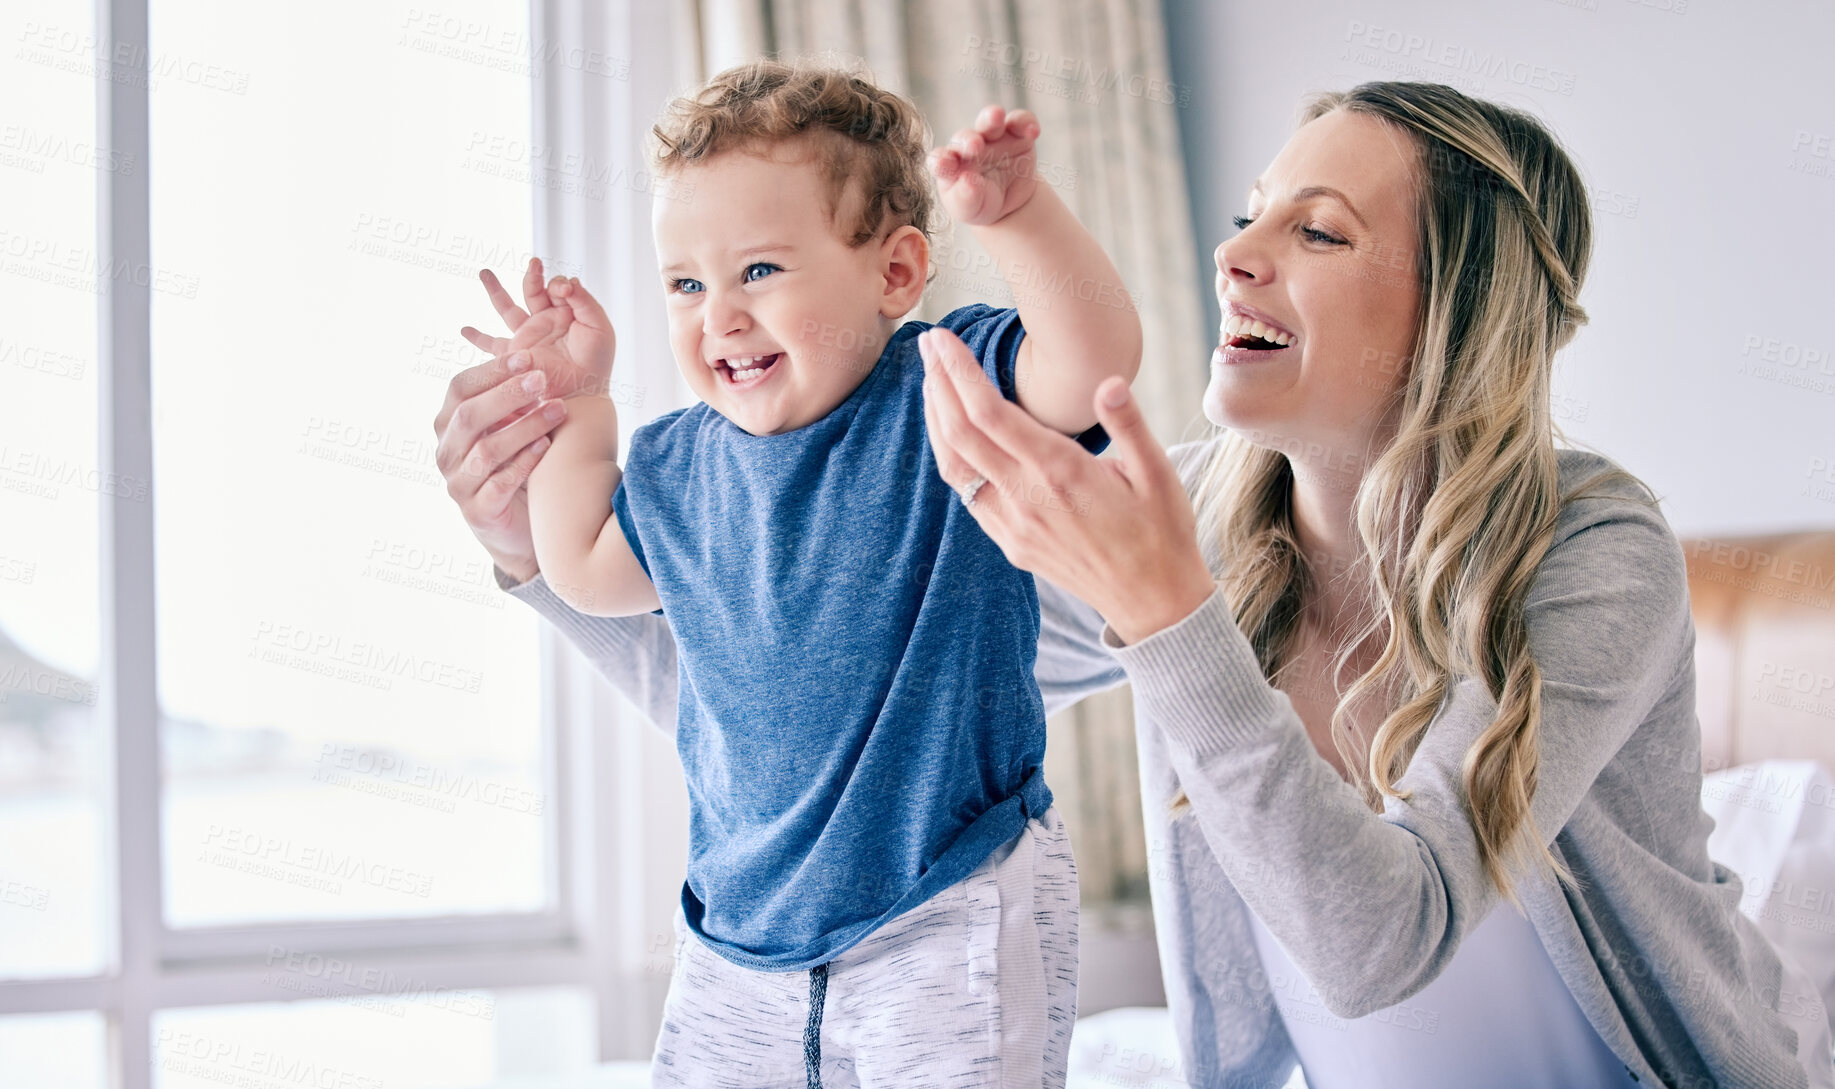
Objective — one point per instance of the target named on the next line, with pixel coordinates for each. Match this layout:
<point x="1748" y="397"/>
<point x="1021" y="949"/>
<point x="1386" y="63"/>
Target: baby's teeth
<point x="741" y="366"/>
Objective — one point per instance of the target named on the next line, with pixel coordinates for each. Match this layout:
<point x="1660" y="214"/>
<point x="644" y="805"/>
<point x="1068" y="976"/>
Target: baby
<point x="870" y="830"/>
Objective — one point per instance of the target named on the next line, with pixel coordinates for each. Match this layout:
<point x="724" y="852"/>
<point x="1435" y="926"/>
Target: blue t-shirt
<point x="859" y="724"/>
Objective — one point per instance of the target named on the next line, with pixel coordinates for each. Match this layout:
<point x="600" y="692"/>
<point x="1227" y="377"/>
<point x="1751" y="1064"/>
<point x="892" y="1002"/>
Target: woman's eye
<point x="686" y="287"/>
<point x="1242" y="222"/>
<point x="749" y="269"/>
<point x="1321" y="236"/>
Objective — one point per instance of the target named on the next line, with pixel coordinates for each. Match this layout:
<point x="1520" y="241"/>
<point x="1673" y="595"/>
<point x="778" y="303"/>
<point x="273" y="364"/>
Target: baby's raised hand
<point x="565" y="331"/>
<point x="990" y="169"/>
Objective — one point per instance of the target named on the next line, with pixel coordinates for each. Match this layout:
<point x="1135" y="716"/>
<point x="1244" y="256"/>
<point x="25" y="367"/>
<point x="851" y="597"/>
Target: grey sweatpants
<point x="974" y="989"/>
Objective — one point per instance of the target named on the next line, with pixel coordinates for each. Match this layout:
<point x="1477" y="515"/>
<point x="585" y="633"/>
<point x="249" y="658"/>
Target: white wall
<point x="1706" y="129"/>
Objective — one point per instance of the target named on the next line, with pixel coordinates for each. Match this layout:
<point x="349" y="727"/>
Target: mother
<point x="1330" y="861"/>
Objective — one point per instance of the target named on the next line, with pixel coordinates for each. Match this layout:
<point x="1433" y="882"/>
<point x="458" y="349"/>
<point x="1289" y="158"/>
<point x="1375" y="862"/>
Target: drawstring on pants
<point x="812" y="1033"/>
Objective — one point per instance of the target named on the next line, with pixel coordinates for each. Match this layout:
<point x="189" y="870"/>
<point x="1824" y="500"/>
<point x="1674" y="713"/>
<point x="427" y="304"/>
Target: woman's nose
<point x="1241" y="258"/>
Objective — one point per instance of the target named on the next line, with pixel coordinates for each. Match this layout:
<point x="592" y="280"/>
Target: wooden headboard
<point x="1764" y="612"/>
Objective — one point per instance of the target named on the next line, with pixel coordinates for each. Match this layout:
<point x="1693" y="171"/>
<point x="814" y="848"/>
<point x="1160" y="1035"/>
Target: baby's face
<point x="773" y="319"/>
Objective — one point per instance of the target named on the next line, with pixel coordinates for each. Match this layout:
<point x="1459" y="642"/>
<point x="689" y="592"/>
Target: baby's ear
<point x="904" y="261"/>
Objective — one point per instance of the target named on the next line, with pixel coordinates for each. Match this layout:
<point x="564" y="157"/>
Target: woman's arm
<point x="489" y="442"/>
<point x="1073" y="662"/>
<point x="1372" y="906"/>
<point x="636" y="654"/>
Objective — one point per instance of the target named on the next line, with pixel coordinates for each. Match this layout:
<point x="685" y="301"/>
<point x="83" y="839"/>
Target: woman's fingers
<point x="475" y="415"/>
<point x="1138" y="454"/>
<point x="496" y="451"/>
<point x="470" y="382"/>
<point x="1010" y="431"/>
<point x="499" y="489"/>
<point x="963" y="448"/>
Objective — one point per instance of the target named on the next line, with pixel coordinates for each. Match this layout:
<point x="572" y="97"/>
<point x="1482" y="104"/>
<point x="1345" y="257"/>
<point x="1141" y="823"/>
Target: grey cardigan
<point x="1680" y="985"/>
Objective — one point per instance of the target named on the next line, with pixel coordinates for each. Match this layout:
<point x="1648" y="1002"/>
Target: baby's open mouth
<point x="1241" y="332"/>
<point x="746" y="368"/>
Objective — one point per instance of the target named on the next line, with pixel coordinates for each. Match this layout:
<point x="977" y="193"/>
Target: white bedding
<point x="1774" y="826"/>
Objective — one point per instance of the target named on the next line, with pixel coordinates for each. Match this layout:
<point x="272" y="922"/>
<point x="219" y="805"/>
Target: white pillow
<point x="1774" y="825"/>
<point x="1132" y="1047"/>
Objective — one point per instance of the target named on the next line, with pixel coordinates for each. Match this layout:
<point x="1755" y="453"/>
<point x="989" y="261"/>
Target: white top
<point x="1499" y="1016"/>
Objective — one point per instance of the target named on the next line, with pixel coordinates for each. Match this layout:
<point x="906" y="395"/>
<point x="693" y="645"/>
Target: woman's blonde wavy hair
<point x="1457" y="511"/>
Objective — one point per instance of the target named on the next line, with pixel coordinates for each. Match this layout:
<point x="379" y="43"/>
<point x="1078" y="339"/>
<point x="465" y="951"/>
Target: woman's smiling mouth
<point x="1242" y="331"/>
<point x="1249" y="336"/>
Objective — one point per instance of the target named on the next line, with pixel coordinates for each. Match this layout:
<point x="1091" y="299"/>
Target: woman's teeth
<point x="1235" y="325"/>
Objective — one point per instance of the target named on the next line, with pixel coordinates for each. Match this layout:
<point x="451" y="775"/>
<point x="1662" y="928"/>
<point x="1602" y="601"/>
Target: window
<point x="350" y="713"/>
<point x="67" y="1050"/>
<point x="459" y="1038"/>
<point x="51" y="813"/>
<point x="281" y="769"/>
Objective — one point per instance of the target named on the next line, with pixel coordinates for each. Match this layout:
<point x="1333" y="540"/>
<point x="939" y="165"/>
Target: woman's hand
<point x="494" y="425"/>
<point x="491" y="431"/>
<point x="1118" y="532"/>
<point x="564" y="332"/>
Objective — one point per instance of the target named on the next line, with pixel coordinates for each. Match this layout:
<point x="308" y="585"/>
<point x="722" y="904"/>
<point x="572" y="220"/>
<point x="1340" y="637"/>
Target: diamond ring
<point x="967" y="491"/>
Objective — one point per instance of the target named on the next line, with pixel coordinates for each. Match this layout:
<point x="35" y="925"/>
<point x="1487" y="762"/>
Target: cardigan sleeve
<point x="1372" y="906"/>
<point x="1073" y="660"/>
<point x="636" y="654"/>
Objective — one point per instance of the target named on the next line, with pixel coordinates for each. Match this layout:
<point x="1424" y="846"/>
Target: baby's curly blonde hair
<point x="858" y="131"/>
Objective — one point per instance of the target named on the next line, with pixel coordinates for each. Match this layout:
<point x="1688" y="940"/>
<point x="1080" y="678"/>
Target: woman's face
<point x="1327" y="260"/>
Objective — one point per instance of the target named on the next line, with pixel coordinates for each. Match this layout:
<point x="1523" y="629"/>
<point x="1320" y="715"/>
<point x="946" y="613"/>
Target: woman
<point x="1404" y="662"/>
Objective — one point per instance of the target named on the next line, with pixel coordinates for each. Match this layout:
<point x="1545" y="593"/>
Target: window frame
<point x="604" y="857"/>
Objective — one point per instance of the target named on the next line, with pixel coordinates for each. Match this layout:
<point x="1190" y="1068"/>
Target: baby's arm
<point x="1070" y="297"/>
<point x="579" y="545"/>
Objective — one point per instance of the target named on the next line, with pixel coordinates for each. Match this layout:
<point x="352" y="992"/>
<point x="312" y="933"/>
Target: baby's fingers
<point x="532" y="292"/>
<point x="968" y="144"/>
<point x="485" y="342"/>
<point x="505" y="306"/>
<point x="1023" y="124"/>
<point x="945" y="163"/>
<point x="542" y="327"/>
<point x="572" y="293"/>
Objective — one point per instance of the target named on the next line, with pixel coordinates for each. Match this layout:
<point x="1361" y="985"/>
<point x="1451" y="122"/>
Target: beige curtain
<point x="1097" y="74"/>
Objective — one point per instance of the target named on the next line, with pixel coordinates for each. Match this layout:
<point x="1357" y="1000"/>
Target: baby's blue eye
<point x="758" y="265"/>
<point x="686" y="287"/>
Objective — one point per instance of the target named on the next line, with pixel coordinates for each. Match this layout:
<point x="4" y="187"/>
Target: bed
<point x="1764" y="610"/>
